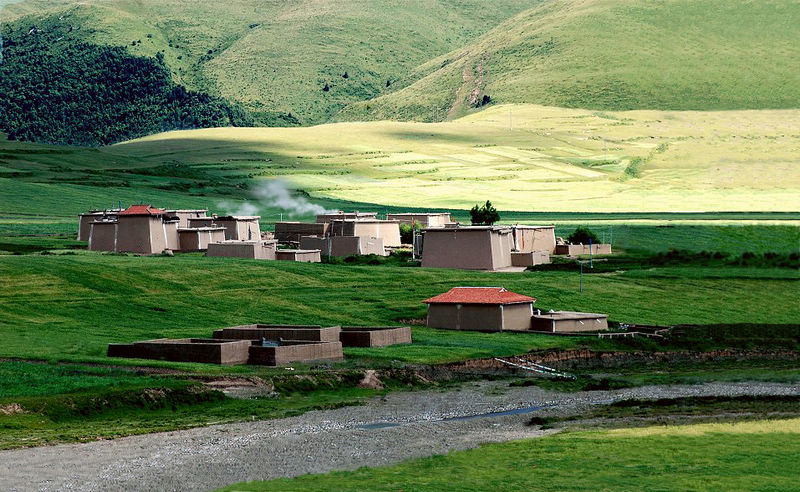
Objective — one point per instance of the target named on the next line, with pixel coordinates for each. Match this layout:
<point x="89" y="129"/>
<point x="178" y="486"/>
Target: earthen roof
<point x="142" y="210"/>
<point x="479" y="295"/>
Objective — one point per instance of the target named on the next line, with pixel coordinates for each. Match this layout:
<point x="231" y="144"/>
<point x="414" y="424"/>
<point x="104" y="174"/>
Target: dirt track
<point x="402" y="426"/>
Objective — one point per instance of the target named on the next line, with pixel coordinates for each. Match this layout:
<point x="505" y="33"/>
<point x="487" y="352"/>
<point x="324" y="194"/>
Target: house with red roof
<point x="480" y="309"/>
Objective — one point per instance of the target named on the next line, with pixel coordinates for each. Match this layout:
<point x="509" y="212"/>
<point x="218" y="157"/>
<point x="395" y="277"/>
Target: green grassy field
<point x="612" y="55"/>
<point x="743" y="456"/>
<point x="552" y="160"/>
<point x="274" y="57"/>
<point x="69" y="307"/>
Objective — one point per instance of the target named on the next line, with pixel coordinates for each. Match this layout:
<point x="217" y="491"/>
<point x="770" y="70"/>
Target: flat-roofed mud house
<point x="291" y="232"/>
<point x="85" y="221"/>
<point x="344" y="245"/>
<point x="142" y="229"/>
<point x="257" y="250"/>
<point x="103" y="235"/>
<point x="568" y="322"/>
<point x="327" y="218"/>
<point x="388" y="230"/>
<point x="240" y="227"/>
<point x="480" y="309"/>
<point x="534" y="238"/>
<point x="198" y="238"/>
<point x="469" y="248"/>
<point x="194" y="222"/>
<point x="301" y="255"/>
<point x="185" y="215"/>
<point x="423" y="220"/>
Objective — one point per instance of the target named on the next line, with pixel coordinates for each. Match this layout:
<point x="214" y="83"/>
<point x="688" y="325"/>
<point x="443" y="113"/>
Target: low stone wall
<point x="214" y="351"/>
<point x="275" y="332"/>
<point x="526" y="259"/>
<point x="301" y="255"/>
<point x="295" y="351"/>
<point x="258" y="250"/>
<point x="568" y="322"/>
<point x="374" y="336"/>
<point x="583" y="249"/>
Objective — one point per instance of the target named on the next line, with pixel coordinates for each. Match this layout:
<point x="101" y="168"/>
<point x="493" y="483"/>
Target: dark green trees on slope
<point x="56" y="89"/>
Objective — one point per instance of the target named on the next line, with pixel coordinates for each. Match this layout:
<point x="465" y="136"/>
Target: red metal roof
<point x="142" y="210"/>
<point x="479" y="295"/>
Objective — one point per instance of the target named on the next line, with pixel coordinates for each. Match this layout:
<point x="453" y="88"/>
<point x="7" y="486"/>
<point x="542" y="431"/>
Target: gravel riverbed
<point x="384" y="431"/>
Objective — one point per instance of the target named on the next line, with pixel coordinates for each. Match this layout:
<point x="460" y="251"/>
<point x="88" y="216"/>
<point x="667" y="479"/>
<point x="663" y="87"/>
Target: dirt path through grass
<point x="384" y="431"/>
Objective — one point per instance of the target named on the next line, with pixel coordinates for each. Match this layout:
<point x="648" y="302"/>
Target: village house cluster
<point x="441" y="242"/>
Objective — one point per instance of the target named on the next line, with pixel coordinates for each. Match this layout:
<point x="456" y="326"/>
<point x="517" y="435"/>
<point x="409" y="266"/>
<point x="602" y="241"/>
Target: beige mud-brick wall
<point x="583" y="249"/>
<point x="373" y="246"/>
<point x="460" y="248"/>
<point x="198" y="239"/>
<point x="171" y="231"/>
<point x="530" y="258"/>
<point x="258" y="250"/>
<point x="211" y="235"/>
<point x="293" y="231"/>
<point x="195" y="222"/>
<point x="188" y="240"/>
<point x="344" y="246"/>
<point x="502" y="244"/>
<point x="315" y="242"/>
<point x="568" y="323"/>
<point x="287" y="353"/>
<point x="305" y="256"/>
<point x="141" y="234"/>
<point x="423" y="220"/>
<point x="326" y="218"/>
<point x="374" y="336"/>
<point x="249" y="230"/>
<point x="516" y="317"/>
<point x="185" y="350"/>
<point x="277" y="332"/>
<point x="237" y="228"/>
<point x="534" y="238"/>
<point x="185" y="215"/>
<point x="473" y="317"/>
<point x="85" y="224"/>
<point x="102" y="236"/>
<point x="389" y="231"/>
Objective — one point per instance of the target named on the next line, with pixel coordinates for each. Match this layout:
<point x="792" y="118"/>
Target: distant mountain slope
<point x="276" y="56"/>
<point x="57" y="89"/>
<point x="614" y="55"/>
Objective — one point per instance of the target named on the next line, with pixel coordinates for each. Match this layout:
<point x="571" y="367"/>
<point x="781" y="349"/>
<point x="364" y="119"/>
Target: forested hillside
<point x="55" y="88"/>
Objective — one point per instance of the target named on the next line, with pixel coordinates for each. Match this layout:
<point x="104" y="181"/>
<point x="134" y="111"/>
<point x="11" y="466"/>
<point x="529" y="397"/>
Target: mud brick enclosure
<point x="214" y="351"/>
<point x="374" y="336"/>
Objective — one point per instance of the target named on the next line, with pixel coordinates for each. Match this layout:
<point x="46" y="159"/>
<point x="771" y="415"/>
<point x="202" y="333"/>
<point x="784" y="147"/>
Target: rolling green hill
<point x="613" y="55"/>
<point x="276" y="56"/>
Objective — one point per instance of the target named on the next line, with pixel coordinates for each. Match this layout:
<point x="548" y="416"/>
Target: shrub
<point x="484" y="215"/>
<point x="583" y="235"/>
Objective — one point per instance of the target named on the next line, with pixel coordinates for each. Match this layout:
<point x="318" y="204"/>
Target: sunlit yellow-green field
<point x="522" y="157"/>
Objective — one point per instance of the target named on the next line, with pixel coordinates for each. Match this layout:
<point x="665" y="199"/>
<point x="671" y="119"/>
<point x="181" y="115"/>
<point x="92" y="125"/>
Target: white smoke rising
<point x="273" y="194"/>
